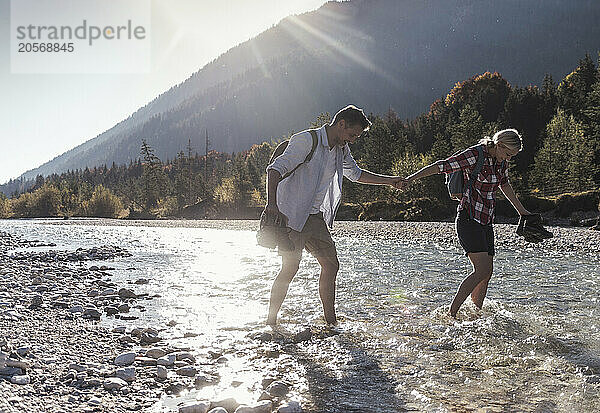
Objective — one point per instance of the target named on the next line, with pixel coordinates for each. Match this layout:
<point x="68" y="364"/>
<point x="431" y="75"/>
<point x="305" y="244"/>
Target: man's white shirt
<point x="316" y="185"/>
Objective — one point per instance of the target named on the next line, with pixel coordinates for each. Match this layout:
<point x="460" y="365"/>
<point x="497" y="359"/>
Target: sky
<point x="44" y="115"/>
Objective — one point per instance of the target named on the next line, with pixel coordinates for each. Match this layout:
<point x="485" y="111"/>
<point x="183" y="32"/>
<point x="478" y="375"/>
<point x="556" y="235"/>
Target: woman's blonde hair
<point x="507" y="137"/>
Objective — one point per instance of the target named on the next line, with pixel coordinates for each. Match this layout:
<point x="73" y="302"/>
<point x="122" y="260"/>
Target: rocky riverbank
<point x="56" y="357"/>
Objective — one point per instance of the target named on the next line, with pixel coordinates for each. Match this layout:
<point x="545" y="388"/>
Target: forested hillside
<point x="377" y="54"/>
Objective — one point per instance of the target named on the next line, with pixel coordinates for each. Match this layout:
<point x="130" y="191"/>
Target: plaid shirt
<point x="481" y="199"/>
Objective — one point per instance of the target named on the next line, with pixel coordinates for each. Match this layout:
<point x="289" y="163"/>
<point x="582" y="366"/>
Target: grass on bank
<point x="48" y="201"/>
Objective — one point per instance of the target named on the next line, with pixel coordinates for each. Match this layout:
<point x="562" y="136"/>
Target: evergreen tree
<point x="573" y="90"/>
<point x="153" y="177"/>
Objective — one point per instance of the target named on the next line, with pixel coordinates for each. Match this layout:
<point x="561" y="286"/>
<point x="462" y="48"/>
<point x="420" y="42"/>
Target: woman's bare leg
<point x="482" y="271"/>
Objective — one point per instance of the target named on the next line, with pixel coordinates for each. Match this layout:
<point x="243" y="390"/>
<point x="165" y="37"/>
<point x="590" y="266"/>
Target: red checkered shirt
<point x="481" y="199"/>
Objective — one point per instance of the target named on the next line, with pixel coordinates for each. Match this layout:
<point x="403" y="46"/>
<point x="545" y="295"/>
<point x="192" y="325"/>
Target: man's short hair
<point x="353" y="116"/>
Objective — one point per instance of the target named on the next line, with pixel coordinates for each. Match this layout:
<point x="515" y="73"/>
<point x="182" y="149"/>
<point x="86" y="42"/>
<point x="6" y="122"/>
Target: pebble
<point x="187" y="371"/>
<point x="194" y="407"/>
<point x="23" y="351"/>
<point x="92" y="313"/>
<point x="229" y="405"/>
<point x="146" y="361"/>
<point x="22" y="380"/>
<point x="110" y="310"/>
<point x="161" y="372"/>
<point x="126" y="293"/>
<point x="126" y="373"/>
<point x="114" y="383"/>
<point x="262" y="407"/>
<point x="124" y="308"/>
<point x="109" y="291"/>
<point x="77" y="367"/>
<point x="76" y="309"/>
<point x="125" y="359"/>
<point x="20" y="364"/>
<point x="278" y="389"/>
<point x="156" y="353"/>
<point x="168" y="360"/>
<point x="218" y="410"/>
<point x="94" y="401"/>
<point x="182" y="355"/>
<point x="290" y="407"/>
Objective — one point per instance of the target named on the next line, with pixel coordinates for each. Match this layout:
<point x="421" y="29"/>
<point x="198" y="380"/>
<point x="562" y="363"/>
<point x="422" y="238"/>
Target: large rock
<point x="125" y="359"/>
<point x="194" y="407"/>
<point x="114" y="383"/>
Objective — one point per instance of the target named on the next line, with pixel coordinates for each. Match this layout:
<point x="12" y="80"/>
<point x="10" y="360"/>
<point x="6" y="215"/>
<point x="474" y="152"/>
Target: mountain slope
<point x="377" y="54"/>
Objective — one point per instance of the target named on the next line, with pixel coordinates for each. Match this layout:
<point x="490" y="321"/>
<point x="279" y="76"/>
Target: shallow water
<point x="534" y="347"/>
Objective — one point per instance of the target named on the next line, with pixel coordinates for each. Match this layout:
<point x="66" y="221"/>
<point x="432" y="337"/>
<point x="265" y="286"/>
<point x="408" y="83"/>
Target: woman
<point x="476" y="208"/>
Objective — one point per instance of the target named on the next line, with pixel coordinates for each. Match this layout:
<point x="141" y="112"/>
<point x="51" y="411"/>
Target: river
<point x="534" y="347"/>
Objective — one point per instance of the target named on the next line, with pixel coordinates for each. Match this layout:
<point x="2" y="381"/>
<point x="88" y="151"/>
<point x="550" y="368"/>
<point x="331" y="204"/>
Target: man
<point x="309" y="198"/>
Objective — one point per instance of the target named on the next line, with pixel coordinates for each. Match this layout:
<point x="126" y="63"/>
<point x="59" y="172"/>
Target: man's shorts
<point x="473" y="236"/>
<point x="315" y="237"/>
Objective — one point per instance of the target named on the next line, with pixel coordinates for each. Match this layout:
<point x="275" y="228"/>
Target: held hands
<point x="399" y="183"/>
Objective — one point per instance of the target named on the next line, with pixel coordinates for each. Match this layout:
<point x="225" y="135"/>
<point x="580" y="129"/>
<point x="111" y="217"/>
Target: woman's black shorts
<point x="473" y="236"/>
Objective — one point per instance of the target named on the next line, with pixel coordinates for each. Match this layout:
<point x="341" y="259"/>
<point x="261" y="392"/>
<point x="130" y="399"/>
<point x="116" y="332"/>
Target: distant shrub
<point x="43" y="202"/>
<point x="46" y="202"/>
<point x="166" y="207"/>
<point x="103" y="204"/>
<point x="532" y="203"/>
<point x="421" y="209"/>
<point x="4" y="207"/>
<point x="584" y="201"/>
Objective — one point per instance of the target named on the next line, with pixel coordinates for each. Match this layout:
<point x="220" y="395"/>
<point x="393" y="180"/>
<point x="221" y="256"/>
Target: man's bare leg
<point x="289" y="268"/>
<point x="482" y="270"/>
<point x="329" y="269"/>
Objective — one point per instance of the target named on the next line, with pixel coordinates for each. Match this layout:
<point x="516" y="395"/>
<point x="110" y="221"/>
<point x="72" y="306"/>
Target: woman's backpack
<point x="281" y="147"/>
<point x="455" y="181"/>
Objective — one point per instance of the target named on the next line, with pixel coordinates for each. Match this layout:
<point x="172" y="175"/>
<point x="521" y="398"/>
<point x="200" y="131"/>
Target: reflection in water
<point x="535" y="345"/>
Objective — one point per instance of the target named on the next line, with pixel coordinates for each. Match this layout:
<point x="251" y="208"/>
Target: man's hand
<point x="399" y="183"/>
<point x="272" y="211"/>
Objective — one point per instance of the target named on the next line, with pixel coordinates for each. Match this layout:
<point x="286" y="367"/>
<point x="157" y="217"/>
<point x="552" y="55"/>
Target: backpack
<point x="281" y="147"/>
<point x="455" y="181"/>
